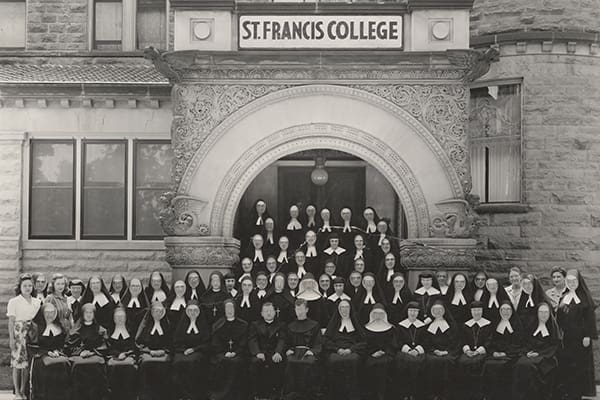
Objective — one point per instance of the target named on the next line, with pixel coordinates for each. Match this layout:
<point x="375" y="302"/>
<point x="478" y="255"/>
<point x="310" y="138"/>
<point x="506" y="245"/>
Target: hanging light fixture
<point x="319" y="175"/>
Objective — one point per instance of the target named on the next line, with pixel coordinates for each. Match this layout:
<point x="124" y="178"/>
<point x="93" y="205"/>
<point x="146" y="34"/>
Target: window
<point x="12" y="24"/>
<point x="115" y="195"/>
<point x="495" y="130"/>
<point x="52" y="203"/>
<point x="151" y="24"/>
<point x="152" y="179"/>
<point x="108" y="24"/>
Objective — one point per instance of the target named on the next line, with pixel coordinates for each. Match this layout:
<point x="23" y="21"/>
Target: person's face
<point x="193" y="280"/>
<point x="359" y="266"/>
<point x="311" y="211"/>
<point x="378" y="314"/>
<point x="215" y="282"/>
<point x="301" y="311"/>
<point x="257" y="241"/>
<point x="355" y="279"/>
<point x="506" y="311"/>
<point x="300" y="258"/>
<point x="279" y="283"/>
<point x="229" y="283"/>
<point x="346" y="214"/>
<point x="229" y="310"/>
<point x="330" y="268"/>
<point x="514" y="277"/>
<point x="268" y="313"/>
<point x="368" y="214"/>
<point x="368" y="282"/>
<point x="294" y="212"/>
<point x="292" y="281"/>
<point x="492" y="285"/>
<point x="382" y="227"/>
<point x="271" y="265"/>
<point x="426" y="282"/>
<point x="344" y="309"/>
<point x="412" y="313"/>
<point x="311" y="238"/>
<point x="460" y="282"/>
<point x="558" y="279"/>
<point x="438" y="311"/>
<point x="40" y="283"/>
<point x="179" y="288"/>
<point x="157" y="312"/>
<point x="261" y="281"/>
<point x="477" y="313"/>
<point x="386" y="246"/>
<point x="390" y="261"/>
<point x="76" y="291"/>
<point x="334" y="243"/>
<point x="135" y="287"/>
<point x="192" y="311"/>
<point x="442" y="277"/>
<point x="88" y="314"/>
<point x="59" y="285"/>
<point x="324" y="282"/>
<point x="527" y="285"/>
<point x="480" y="281"/>
<point x="247" y="265"/>
<point x="117" y="283"/>
<point x="339" y="288"/>
<point x="261" y="207"/>
<point x="95" y="285"/>
<point x="119" y="317"/>
<point x="572" y="282"/>
<point x="269" y="225"/>
<point x="398" y="282"/>
<point x="155" y="281"/>
<point x="325" y="214"/>
<point x="543" y="313"/>
<point x="284" y="243"/>
<point x="359" y="242"/>
<point x="26" y="287"/>
<point x="49" y="312"/>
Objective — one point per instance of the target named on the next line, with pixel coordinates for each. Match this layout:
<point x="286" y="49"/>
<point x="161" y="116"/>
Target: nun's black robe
<point x="50" y="376"/>
<point x="88" y="375"/>
<point x="135" y="313"/>
<point x="302" y="373"/>
<point x="492" y="311"/>
<point x="426" y="301"/>
<point x="576" y="362"/>
<point x="212" y="305"/>
<point x="497" y="371"/>
<point x="251" y="312"/>
<point x="284" y="305"/>
<point x="363" y="310"/>
<point x="526" y="312"/>
<point x="229" y="336"/>
<point x="190" y="371"/>
<point x="376" y="370"/>
<point x="343" y="376"/>
<point x="396" y="311"/>
<point x="155" y="372"/>
<point x="174" y="315"/>
<point x="266" y="377"/>
<point x="295" y="236"/>
<point x="122" y="374"/>
<point x="533" y="377"/>
<point x="318" y="310"/>
<point x="439" y="374"/>
<point x="408" y="378"/>
<point x="470" y="369"/>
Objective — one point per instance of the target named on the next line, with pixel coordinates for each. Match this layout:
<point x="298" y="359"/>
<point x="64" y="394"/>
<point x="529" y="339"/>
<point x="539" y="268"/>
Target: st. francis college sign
<point x="320" y="32"/>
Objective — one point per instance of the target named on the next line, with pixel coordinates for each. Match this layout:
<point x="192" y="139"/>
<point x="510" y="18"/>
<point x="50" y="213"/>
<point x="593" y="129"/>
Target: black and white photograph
<point x="299" y="199"/>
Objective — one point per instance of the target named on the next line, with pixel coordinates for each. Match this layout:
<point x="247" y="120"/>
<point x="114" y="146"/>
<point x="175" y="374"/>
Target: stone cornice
<point x="537" y="36"/>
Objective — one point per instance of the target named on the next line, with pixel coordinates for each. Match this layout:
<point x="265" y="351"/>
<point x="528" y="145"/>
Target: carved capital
<point x="206" y="252"/>
<point x="179" y="215"/>
<point x="457" y="219"/>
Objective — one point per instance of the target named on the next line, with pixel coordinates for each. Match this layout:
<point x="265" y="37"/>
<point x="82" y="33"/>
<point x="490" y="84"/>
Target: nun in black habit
<point x="458" y="298"/>
<point x="230" y="348"/>
<point x="154" y="338"/>
<point x="397" y="297"/>
<point x="281" y="298"/>
<point x="576" y="316"/>
<point x="97" y="294"/>
<point x="191" y="351"/>
<point x="175" y="303"/>
<point x="380" y="338"/>
<point x="534" y="372"/>
<point x="293" y="228"/>
<point x="256" y="223"/>
<point x="157" y="289"/>
<point x="194" y="286"/>
<point x="247" y="302"/>
<point x="369" y="226"/>
<point x="135" y="303"/>
<point x="532" y="295"/>
<point x="492" y="298"/>
<point x="427" y="293"/>
<point x="503" y="352"/>
<point x="118" y="288"/>
<point x="343" y="347"/>
<point x="388" y="266"/>
<point x="212" y="300"/>
<point x="370" y="295"/>
<point x="121" y="355"/>
<point x="308" y="290"/>
<point x="410" y="360"/>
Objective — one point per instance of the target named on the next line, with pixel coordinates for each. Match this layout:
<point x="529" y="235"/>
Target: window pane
<point x="51" y="197"/>
<point x="151" y="23"/>
<point x="478" y="171"/>
<point x="104" y="190"/>
<point x="108" y="25"/>
<point x="12" y="24"/>
<point x="504" y="164"/>
<point x="152" y="178"/>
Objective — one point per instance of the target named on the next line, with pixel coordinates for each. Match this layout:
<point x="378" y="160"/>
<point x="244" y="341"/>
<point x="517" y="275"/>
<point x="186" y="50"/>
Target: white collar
<point x="301" y="271"/>
<point x="569" y="297"/>
<point x="478" y="294"/>
<point x="233" y="292"/>
<point x="326" y="227"/>
<point x="258" y="255"/>
<point x="347" y="227"/>
<point x="543" y="329"/>
<point x="381" y="237"/>
<point x="529" y="302"/>
<point x="390" y="273"/>
<point x="338" y="250"/>
<point x="335" y="297"/>
<point x="459" y="299"/>
<point x="261" y="293"/>
<point x="244" y="275"/>
<point x="157" y="328"/>
<point x="444" y="289"/>
<point x="407" y="324"/>
<point x="347" y="325"/>
<point x="116" y="297"/>
<point x="369" y="299"/>
<point x="358" y="254"/>
<point x="282" y="256"/>
<point x="192" y="328"/>
<point x="159" y="295"/>
<point x="259" y="220"/>
<point x="178" y="302"/>
<point x="194" y="295"/>
<point x="311" y="221"/>
<point x="431" y="291"/>
<point x="481" y="322"/>
<point x="120" y="331"/>
<point x="438" y="324"/>
<point x="294" y="225"/>
<point x="396" y="298"/>
<point x="245" y="300"/>
<point x="503" y="325"/>
<point x="270" y="238"/>
<point x="71" y="300"/>
<point x="371" y="227"/>
<point x="311" y="251"/>
<point x="100" y="300"/>
<point x="134" y="302"/>
<point x="52" y="329"/>
<point x="493" y="301"/>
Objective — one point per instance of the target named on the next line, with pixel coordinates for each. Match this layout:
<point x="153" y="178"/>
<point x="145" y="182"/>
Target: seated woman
<point x="191" y="345"/>
<point x="426" y="294"/>
<point x="533" y="373"/>
<point x="212" y="300"/>
<point x="504" y="351"/>
<point x="175" y="303"/>
<point x="441" y="350"/>
<point x="379" y="352"/>
<point x="122" y="369"/>
<point x="135" y="303"/>
<point x="343" y="345"/>
<point x="154" y="342"/>
<point x="85" y="344"/>
<point x="476" y="334"/>
<point x="97" y="294"/>
<point x="410" y="360"/>
<point x="397" y="297"/>
<point x="230" y="347"/>
<point x="157" y="289"/>
<point x="50" y="370"/>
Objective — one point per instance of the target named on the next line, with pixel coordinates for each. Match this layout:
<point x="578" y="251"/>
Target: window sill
<point x="128" y="245"/>
<point x="502" y="208"/>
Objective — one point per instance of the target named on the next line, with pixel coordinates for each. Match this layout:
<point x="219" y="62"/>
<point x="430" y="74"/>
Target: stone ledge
<point x="84" y="245"/>
<point x="502" y="208"/>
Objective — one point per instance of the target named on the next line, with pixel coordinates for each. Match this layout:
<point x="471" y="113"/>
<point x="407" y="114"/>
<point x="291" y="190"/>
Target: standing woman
<point x="175" y="303"/>
<point x="40" y="285"/>
<point x="533" y="294"/>
<point x="293" y="229"/>
<point x="379" y="353"/>
<point x="21" y="310"/>
<point x="397" y="298"/>
<point x="191" y="344"/>
<point x="121" y="368"/>
<point x="118" y="288"/>
<point x="135" y="303"/>
<point x="514" y="290"/>
<point x="59" y="299"/>
<point x="256" y="223"/>
<point x="85" y="345"/>
<point x="157" y="289"/>
<point x="282" y="300"/>
<point x="477" y="287"/>
<point x="194" y="286"/>
<point x="270" y="236"/>
<point x="369" y="226"/>
<point x="492" y="298"/>
<point x="76" y="287"/>
<point x="410" y="360"/>
<point x="384" y="241"/>
<point x="370" y="295"/>
<point x="533" y="374"/>
<point x="576" y="317"/>
<point x="230" y="345"/>
<point x="50" y="368"/>
<point x="154" y="342"/>
<point x="387" y="268"/>
<point x="212" y="300"/>
<point x="459" y="298"/>
<point x="97" y="294"/>
<point x="247" y="303"/>
<point x="343" y="344"/>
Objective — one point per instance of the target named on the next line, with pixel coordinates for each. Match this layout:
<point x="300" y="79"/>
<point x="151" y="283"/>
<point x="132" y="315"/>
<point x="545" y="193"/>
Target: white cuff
<point x="466" y="348"/>
<point x="405" y="348"/>
<point x="420" y="349"/>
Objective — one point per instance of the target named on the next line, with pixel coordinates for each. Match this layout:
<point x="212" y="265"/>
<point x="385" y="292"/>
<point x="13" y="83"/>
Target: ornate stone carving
<point x="457" y="219"/>
<point x="157" y="58"/>
<point x="200" y="255"/>
<point x="423" y="256"/>
<point x="475" y="62"/>
<point x="179" y="215"/>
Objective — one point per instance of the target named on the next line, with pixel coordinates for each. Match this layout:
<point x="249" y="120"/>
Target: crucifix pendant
<point x="214" y="311"/>
<point x="277" y="312"/>
<point x="230" y="344"/>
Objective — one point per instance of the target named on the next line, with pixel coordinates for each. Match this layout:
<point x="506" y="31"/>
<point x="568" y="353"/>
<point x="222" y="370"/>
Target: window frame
<point x="13" y="48"/>
<point x="136" y="142"/>
<point x="74" y="189"/>
<point x="83" y="236"/>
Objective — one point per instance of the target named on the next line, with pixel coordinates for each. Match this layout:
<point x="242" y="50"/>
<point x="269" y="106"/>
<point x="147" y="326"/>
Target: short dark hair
<point x="301" y="302"/>
<point x="560" y="270"/>
<point x="267" y="304"/>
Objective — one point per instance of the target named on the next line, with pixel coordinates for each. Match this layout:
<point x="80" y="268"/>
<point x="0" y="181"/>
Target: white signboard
<point x="320" y="32"/>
